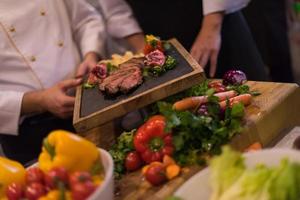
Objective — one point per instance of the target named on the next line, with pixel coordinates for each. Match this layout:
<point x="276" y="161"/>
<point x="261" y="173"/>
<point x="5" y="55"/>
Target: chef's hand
<point x="208" y="42"/>
<point x="54" y="99"/>
<point x="137" y="42"/>
<point x="89" y="62"/>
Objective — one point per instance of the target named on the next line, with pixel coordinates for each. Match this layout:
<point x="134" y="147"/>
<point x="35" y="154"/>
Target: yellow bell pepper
<point x="10" y="172"/>
<point x="64" y="149"/>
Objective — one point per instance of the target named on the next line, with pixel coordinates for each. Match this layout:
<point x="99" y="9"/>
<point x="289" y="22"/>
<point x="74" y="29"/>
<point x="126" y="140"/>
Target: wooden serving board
<point x="275" y="110"/>
<point x="94" y="108"/>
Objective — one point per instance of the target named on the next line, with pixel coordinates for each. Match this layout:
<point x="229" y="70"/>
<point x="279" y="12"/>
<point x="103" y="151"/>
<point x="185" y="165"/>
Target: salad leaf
<point x="230" y="180"/>
<point x="285" y="183"/>
<point x="225" y="170"/>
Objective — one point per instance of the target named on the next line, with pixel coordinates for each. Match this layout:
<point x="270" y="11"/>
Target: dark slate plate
<point x="94" y="100"/>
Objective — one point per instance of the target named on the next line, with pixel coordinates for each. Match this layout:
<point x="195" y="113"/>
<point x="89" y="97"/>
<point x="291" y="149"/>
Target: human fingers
<point x="82" y="70"/>
<point x="213" y="63"/>
<point x="70" y="83"/>
<point x="68" y="101"/>
<point x="204" y="59"/>
<point x="196" y="54"/>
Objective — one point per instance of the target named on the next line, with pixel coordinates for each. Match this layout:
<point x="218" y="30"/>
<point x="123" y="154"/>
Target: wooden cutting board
<point x="93" y="108"/>
<point x="275" y="110"/>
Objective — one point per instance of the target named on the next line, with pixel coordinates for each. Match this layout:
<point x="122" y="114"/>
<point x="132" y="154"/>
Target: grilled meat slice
<point x="137" y="62"/>
<point x="128" y="76"/>
<point x="132" y="81"/>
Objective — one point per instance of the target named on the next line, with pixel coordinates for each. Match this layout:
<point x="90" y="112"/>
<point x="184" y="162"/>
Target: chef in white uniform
<point x="123" y="31"/>
<point x="44" y="44"/>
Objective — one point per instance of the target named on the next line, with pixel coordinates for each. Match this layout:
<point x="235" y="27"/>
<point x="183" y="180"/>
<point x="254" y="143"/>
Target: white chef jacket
<point x="228" y="6"/>
<point x="120" y="23"/>
<point x="41" y="43"/>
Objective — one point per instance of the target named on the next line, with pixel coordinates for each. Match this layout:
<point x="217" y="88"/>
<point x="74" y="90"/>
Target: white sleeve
<point x="10" y="111"/>
<point x="87" y="26"/>
<point x="119" y="18"/>
<point x="228" y="6"/>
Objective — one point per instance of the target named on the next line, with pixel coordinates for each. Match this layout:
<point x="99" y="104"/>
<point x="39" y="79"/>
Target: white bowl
<point x="106" y="190"/>
<point x="198" y="187"/>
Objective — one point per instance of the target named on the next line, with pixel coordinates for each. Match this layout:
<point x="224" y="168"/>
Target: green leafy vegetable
<point x="230" y="180"/>
<point x="225" y="170"/>
<point x="242" y="89"/>
<point x="120" y="149"/>
<point x="111" y="67"/>
<point x="194" y="135"/>
<point x="88" y="86"/>
<point x="170" y="63"/>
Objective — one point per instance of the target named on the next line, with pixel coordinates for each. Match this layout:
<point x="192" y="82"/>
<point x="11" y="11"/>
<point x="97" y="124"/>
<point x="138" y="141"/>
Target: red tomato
<point x="34" y="191"/>
<point x="79" y="177"/>
<point x="133" y="161"/>
<point x="34" y="174"/>
<point x="217" y="86"/>
<point x="81" y="191"/>
<point x="147" y="49"/>
<point x="154" y="46"/>
<point x="156" y="174"/>
<point x="55" y="175"/>
<point x="14" y="191"/>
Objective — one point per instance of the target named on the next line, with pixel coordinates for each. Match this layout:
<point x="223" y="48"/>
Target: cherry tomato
<point x="217" y="86"/>
<point x="156" y="174"/>
<point x="151" y="47"/>
<point x="81" y="191"/>
<point x="147" y="49"/>
<point x="56" y="175"/>
<point x="133" y="161"/>
<point x="14" y="191"/>
<point x="34" y="191"/>
<point x="34" y="175"/>
<point x="79" y="177"/>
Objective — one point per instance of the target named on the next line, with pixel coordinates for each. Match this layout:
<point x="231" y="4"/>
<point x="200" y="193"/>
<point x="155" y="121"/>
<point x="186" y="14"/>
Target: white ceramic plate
<point x="198" y="187"/>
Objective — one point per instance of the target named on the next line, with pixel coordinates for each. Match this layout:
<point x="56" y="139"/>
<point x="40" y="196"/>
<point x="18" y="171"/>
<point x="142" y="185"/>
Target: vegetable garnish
<point x="194" y="135"/>
<point x="119" y="151"/>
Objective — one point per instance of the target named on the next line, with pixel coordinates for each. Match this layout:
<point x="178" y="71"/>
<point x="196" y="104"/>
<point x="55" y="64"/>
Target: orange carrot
<point x="253" y="147"/>
<point x="225" y="95"/>
<point x="172" y="171"/>
<point x="193" y="102"/>
<point x="243" y="98"/>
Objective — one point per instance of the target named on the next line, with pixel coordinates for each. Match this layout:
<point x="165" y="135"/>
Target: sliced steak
<point x="118" y="75"/>
<point x="128" y="76"/>
<point x="132" y="81"/>
<point x="137" y="62"/>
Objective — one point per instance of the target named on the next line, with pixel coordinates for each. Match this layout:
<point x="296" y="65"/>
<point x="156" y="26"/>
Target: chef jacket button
<point x="12" y="29"/>
<point x="42" y="13"/>
<point x="60" y="43"/>
<point x="32" y="58"/>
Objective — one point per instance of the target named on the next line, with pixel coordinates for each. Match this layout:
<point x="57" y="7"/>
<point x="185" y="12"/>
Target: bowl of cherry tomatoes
<point x="58" y="183"/>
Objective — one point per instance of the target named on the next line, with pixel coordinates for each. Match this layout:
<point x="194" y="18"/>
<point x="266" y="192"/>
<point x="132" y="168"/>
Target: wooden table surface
<point x="275" y="110"/>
